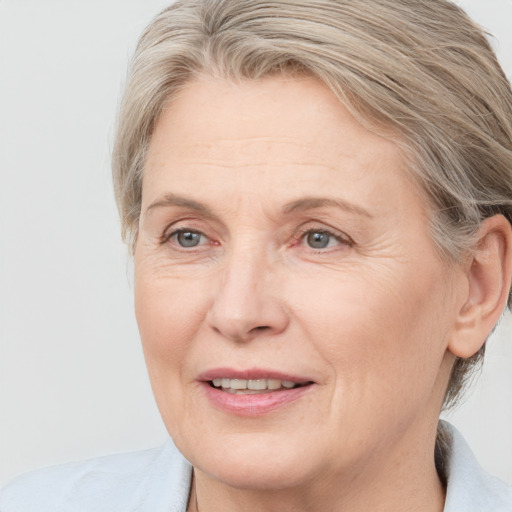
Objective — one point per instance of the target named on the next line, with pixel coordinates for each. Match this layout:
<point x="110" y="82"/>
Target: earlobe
<point x="489" y="277"/>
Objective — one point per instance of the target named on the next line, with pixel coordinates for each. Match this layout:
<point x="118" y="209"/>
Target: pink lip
<point x="251" y="373"/>
<point x="252" y="405"/>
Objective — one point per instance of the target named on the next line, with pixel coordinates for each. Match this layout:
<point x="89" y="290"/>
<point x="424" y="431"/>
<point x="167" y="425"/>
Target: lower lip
<point x="253" y="405"/>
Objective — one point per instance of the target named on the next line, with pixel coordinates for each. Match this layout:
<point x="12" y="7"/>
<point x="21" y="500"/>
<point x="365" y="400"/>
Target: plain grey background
<point x="72" y="378"/>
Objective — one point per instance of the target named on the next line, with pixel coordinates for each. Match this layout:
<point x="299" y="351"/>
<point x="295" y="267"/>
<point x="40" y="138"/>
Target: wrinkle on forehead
<point x="275" y="139"/>
<point x="219" y="113"/>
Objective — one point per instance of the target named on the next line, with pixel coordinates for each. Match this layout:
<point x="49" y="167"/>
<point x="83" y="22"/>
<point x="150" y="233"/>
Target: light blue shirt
<point x="158" y="480"/>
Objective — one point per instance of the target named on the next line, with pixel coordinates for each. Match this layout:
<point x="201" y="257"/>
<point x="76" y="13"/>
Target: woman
<point x="318" y="196"/>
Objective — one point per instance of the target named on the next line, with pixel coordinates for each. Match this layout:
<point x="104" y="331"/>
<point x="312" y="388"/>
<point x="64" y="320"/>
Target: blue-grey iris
<point x="318" y="239"/>
<point x="188" y="238"/>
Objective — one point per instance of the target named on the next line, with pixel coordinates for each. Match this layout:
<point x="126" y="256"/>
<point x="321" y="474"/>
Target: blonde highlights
<point x="420" y="69"/>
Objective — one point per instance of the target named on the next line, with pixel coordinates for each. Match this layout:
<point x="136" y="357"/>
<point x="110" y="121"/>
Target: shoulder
<point x="470" y="488"/>
<point x="149" y="480"/>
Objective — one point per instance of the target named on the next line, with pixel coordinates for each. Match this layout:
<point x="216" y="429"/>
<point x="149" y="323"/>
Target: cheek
<point x="169" y="312"/>
<point x="383" y="335"/>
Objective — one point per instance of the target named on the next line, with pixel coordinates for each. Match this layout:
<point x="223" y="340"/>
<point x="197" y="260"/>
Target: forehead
<point x="209" y="113"/>
<point x="275" y="136"/>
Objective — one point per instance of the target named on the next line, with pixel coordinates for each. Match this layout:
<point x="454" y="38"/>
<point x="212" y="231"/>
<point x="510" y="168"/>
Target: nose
<point x="246" y="301"/>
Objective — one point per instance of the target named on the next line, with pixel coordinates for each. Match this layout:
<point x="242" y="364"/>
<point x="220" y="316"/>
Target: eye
<point x="318" y="239"/>
<point x="187" y="238"/>
<point x="322" y="239"/>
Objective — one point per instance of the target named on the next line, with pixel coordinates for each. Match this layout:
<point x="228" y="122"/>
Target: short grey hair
<point x="419" y="69"/>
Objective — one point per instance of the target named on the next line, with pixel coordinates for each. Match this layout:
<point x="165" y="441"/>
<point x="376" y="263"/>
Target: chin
<point x="258" y="461"/>
<point x="266" y="473"/>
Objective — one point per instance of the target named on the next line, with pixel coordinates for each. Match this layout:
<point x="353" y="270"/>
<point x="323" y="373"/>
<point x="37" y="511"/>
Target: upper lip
<point x="250" y="374"/>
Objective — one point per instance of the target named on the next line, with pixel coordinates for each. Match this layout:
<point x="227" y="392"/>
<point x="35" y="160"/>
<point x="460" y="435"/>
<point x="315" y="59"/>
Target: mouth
<point x="254" y="386"/>
<point x="253" y="392"/>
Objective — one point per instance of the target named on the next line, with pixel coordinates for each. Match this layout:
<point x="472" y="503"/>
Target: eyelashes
<point x="187" y="238"/>
<point x="320" y="239"/>
<point x="317" y="239"/>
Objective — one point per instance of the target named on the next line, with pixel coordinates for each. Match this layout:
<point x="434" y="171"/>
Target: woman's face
<point x="283" y="248"/>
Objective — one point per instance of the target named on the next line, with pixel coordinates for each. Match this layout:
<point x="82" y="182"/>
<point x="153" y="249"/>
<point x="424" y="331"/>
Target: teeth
<point x="273" y="384"/>
<point x="233" y="385"/>
<point x="256" y="385"/>
<point x="239" y="384"/>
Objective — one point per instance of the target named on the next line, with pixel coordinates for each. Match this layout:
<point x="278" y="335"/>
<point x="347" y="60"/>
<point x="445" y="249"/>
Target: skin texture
<point x="372" y="319"/>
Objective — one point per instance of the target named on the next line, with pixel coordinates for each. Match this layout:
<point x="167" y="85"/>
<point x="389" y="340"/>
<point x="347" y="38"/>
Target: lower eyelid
<point x="171" y="234"/>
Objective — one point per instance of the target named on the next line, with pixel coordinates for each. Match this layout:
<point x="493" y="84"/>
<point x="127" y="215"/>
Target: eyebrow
<point x="303" y="204"/>
<point x="310" y="203"/>
<point x="184" y="202"/>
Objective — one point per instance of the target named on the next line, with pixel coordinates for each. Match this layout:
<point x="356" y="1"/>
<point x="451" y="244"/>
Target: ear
<point x="488" y="277"/>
